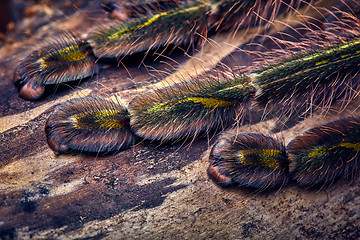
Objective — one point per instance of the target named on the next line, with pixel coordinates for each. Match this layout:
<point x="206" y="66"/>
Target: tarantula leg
<point x="311" y="77"/>
<point x="149" y="25"/>
<point x="326" y="153"/>
<point x="249" y="159"/>
<point x="169" y="22"/>
<point x="66" y="59"/>
<point x="89" y="124"/>
<point x="183" y="25"/>
<point x="70" y="58"/>
<point x="190" y="108"/>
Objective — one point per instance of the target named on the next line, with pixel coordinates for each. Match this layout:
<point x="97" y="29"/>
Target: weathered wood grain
<point x="150" y="191"/>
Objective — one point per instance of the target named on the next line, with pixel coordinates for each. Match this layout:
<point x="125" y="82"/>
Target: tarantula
<point x="322" y="69"/>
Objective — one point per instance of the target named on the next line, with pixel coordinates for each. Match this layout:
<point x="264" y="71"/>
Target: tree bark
<point x="152" y="190"/>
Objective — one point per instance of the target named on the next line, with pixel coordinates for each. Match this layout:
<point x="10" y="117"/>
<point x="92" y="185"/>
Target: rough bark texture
<point x="150" y="191"/>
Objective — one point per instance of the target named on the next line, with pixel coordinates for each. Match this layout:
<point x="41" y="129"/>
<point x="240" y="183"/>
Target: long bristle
<point x="89" y="124"/>
<point x="303" y="76"/>
<point x="183" y="25"/>
<point x="190" y="108"/>
<point x="313" y="73"/>
<point x="144" y="26"/>
<point x="65" y="59"/>
<point x="325" y="153"/>
<point x="126" y="10"/>
<point x="233" y="15"/>
<point x="249" y="159"/>
<point x="312" y="76"/>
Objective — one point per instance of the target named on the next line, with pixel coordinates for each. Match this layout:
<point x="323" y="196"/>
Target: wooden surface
<point x="150" y="191"/>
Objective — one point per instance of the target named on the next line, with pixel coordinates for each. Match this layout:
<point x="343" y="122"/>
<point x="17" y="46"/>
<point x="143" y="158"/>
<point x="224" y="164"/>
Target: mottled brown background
<point x="150" y="191"/>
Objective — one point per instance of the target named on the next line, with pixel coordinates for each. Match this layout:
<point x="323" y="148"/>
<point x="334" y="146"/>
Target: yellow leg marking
<point x="320" y="151"/>
<point x="71" y="53"/>
<point x="73" y="56"/>
<point x="322" y="62"/>
<point x="266" y="157"/>
<point x="206" y="102"/>
<point x="103" y="119"/>
<point x="151" y="20"/>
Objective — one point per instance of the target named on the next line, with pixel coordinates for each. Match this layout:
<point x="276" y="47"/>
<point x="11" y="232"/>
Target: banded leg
<point x="249" y="159"/>
<point x="311" y="77"/>
<point x="326" y="153"/>
<point x="175" y="23"/>
<point x="191" y="108"/>
<point x="183" y="25"/>
<point x="66" y="59"/>
<point x="180" y="111"/>
<point x="89" y="124"/>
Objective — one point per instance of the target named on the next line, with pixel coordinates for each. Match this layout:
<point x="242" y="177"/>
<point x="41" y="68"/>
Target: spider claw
<point x="31" y="92"/>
